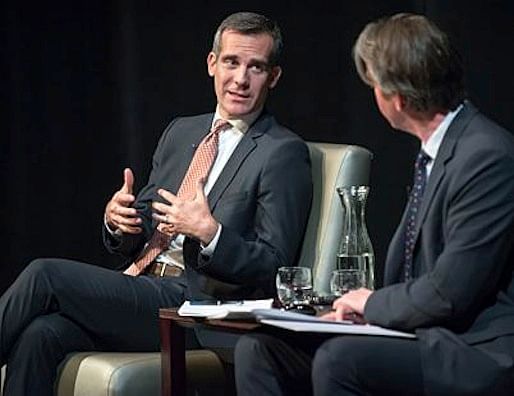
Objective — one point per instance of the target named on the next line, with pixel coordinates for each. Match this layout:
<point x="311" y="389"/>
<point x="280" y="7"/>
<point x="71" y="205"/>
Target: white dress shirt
<point x="432" y="145"/>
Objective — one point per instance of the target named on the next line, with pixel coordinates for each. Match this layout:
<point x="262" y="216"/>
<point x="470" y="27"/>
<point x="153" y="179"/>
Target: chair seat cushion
<point x="131" y="374"/>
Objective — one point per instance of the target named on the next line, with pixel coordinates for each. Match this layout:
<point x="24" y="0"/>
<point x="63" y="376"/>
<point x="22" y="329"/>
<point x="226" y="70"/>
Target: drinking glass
<point x="294" y="285"/>
<point x="344" y="280"/>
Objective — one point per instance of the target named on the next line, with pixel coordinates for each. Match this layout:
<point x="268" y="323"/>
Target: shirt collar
<point x="431" y="146"/>
<point x="243" y="123"/>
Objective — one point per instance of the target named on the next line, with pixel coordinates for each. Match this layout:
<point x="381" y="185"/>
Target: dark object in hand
<point x="325" y="299"/>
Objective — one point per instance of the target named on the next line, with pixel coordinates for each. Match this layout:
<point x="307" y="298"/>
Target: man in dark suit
<point x="243" y="216"/>
<point x="449" y="268"/>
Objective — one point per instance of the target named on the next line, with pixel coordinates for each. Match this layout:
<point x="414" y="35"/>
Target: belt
<point x="163" y="269"/>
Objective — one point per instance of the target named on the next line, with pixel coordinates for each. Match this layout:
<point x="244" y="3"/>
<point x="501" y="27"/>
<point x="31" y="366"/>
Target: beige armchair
<point x="136" y="374"/>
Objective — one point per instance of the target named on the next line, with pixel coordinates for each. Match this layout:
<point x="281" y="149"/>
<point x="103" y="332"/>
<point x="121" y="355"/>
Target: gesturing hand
<point x="189" y="217"/>
<point x="118" y="213"/>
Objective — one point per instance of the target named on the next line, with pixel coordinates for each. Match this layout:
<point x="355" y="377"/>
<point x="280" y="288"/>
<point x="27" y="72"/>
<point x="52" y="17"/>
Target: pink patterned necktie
<point x="199" y="168"/>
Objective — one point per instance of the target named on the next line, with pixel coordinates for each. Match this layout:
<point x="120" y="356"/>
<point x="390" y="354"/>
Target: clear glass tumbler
<point x="294" y="285"/>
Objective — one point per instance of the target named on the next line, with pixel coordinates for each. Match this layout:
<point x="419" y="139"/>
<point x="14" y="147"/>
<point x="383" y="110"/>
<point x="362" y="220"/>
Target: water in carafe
<point x="355" y="250"/>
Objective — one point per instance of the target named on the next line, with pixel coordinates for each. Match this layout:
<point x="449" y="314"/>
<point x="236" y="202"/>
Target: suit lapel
<point x="395" y="255"/>
<point x="193" y="139"/>
<point x="247" y="144"/>
<point x="443" y="157"/>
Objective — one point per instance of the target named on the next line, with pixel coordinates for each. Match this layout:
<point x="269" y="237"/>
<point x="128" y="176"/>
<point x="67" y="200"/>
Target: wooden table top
<point x="189" y="321"/>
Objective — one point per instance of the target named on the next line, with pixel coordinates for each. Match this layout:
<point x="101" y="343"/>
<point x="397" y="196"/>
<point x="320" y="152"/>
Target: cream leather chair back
<point x="333" y="165"/>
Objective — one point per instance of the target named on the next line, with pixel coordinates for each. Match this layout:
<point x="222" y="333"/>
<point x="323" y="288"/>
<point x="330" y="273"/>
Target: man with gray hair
<point x="449" y="268"/>
<point x="225" y="205"/>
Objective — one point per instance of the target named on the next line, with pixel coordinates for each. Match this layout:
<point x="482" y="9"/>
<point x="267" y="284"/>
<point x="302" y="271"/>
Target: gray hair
<point x="409" y="55"/>
<point x="251" y="23"/>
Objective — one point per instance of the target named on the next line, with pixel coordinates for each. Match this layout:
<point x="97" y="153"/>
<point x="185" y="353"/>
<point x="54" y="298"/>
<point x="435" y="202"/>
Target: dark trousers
<point x="301" y="364"/>
<point x="59" y="306"/>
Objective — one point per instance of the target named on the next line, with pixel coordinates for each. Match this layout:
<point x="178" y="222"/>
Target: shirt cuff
<point x="114" y="233"/>
<point x="209" y="249"/>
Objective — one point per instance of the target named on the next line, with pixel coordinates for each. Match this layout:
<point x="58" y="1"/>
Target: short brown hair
<point x="409" y="55"/>
<point x="251" y="23"/>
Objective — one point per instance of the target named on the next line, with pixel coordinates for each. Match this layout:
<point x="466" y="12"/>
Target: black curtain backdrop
<point x="89" y="86"/>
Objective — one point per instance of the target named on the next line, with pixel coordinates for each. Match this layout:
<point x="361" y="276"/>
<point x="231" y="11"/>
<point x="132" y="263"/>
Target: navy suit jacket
<point x="262" y="199"/>
<point x="462" y="294"/>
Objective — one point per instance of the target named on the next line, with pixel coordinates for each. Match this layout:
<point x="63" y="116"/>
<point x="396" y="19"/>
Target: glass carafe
<point x="355" y="250"/>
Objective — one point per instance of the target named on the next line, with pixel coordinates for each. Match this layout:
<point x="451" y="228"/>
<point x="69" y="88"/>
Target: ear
<point x="275" y="74"/>
<point x="399" y="102"/>
<point x="211" y="63"/>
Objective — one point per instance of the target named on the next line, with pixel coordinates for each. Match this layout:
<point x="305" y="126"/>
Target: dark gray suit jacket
<point x="262" y="199"/>
<point x="461" y="302"/>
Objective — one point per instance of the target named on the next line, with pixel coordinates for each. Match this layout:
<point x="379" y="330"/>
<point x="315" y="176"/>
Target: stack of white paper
<point x="220" y="310"/>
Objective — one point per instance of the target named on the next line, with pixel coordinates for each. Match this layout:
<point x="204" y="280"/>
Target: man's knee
<point x="38" y="267"/>
<point x="44" y="273"/>
<point x="334" y="347"/>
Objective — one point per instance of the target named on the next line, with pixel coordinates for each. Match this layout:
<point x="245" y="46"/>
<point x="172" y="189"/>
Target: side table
<point x="173" y="352"/>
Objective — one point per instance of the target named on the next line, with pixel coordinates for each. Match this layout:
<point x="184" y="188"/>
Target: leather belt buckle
<point x="163" y="269"/>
